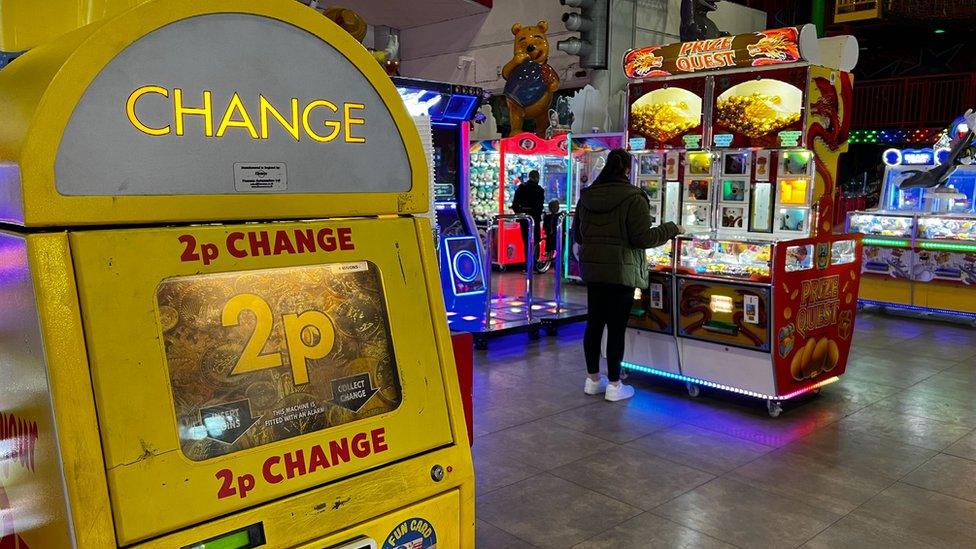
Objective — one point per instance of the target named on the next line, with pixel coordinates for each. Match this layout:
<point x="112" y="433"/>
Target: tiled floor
<point x="884" y="458"/>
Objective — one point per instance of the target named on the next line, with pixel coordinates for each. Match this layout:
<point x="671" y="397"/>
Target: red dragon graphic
<point x="831" y="128"/>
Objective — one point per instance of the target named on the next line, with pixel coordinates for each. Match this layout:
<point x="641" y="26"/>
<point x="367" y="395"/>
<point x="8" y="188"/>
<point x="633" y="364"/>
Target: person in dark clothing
<point x="613" y="228"/>
<point x="529" y="199"/>
<point x="551" y="227"/>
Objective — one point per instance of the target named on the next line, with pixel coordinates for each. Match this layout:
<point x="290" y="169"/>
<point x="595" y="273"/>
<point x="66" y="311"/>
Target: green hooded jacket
<point x="612" y="225"/>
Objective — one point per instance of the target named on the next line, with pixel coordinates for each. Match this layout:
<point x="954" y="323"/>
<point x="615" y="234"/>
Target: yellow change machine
<point x="221" y="325"/>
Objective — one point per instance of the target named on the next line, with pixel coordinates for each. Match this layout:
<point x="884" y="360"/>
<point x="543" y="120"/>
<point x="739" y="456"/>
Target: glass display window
<point x="483" y="189"/>
<point x="735" y="163"/>
<point x="901" y="226"/>
<point x="732" y="217"/>
<point x="659" y="258"/>
<point x="698" y="190"/>
<point x="699" y="163"/>
<point x="651" y="186"/>
<point x="842" y="252"/>
<point x="794" y="191"/>
<point x="947" y="228"/>
<point x="795" y="220"/>
<point x="726" y="258"/>
<point x="793" y="163"/>
<point x="799" y="258"/>
<point x="698" y="216"/>
<point x="649" y="164"/>
<point x="735" y="190"/>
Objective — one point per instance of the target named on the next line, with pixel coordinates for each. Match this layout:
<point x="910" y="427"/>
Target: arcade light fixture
<point x="712" y="384"/>
<point x="893" y="136"/>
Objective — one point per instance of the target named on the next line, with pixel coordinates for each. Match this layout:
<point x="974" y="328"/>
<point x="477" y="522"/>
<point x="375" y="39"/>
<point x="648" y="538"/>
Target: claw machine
<point x="450" y="108"/>
<point x="222" y="323"/>
<point x="920" y="244"/>
<point x="758" y="297"/>
<point x="510" y="160"/>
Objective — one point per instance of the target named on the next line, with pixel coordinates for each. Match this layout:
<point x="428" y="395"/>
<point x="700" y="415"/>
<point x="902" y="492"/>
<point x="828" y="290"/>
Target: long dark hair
<point x="618" y="162"/>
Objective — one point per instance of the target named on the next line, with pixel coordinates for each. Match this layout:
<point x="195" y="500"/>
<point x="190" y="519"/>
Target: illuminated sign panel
<point x="178" y="124"/>
<point x="856" y="10"/>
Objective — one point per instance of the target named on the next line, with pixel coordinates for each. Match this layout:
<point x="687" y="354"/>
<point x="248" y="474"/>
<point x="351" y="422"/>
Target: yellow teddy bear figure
<point x="529" y="80"/>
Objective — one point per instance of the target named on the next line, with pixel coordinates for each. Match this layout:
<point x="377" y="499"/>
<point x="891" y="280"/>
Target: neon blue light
<point x="917" y="309"/>
<point x="712" y="384"/>
<point x="453" y="264"/>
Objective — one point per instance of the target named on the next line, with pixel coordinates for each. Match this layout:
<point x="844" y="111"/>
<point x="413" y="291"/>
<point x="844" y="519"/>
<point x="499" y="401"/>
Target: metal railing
<point x="913" y="102"/>
<point x="493" y="224"/>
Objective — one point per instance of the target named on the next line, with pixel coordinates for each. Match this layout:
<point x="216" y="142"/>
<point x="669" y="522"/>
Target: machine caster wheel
<point x="534" y="334"/>
<point x="551" y="331"/>
<point x="501" y="267"/>
<point x="481" y="343"/>
<point x="774" y="407"/>
<point x="694" y="390"/>
<point x="624" y="374"/>
<point x="815" y="392"/>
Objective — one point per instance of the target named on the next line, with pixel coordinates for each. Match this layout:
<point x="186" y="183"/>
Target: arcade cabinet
<point x="221" y="319"/>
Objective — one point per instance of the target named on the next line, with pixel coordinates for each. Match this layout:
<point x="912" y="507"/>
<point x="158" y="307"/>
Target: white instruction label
<point x="657" y="296"/>
<point x="260" y="177"/>
<point x="751" y="303"/>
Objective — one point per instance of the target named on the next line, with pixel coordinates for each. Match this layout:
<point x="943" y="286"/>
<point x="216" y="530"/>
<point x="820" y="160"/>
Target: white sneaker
<point x="595" y="387"/>
<point x="618" y="391"/>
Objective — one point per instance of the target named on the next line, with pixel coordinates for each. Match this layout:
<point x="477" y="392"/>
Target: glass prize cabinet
<point x="920" y="244"/>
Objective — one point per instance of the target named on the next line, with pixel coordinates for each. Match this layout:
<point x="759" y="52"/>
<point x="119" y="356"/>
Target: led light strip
<point x="948" y="246"/>
<point x="893" y="243"/>
<point x="703" y="383"/>
<point x="916" y="308"/>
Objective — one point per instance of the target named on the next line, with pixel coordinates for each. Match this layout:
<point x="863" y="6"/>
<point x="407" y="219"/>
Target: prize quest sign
<point x="284" y="113"/>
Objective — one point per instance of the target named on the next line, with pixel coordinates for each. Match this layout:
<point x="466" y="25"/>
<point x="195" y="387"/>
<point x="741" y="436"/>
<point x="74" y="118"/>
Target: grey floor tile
<point x="908" y="429"/>
<point x="617" y="424"/>
<point x="633" y="477"/>
<point x="858" y="451"/>
<point x="912" y="513"/>
<point x="950" y="408"/>
<point x="649" y="531"/>
<point x="700" y="448"/>
<point x="746" y="516"/>
<point x="950" y="475"/>
<point x="830" y="487"/>
<point x="890" y="371"/>
<point x="544" y="444"/>
<point x="490" y="537"/>
<point x="854" y="531"/>
<point x="494" y="468"/>
<point x="551" y="512"/>
<point x="964" y="447"/>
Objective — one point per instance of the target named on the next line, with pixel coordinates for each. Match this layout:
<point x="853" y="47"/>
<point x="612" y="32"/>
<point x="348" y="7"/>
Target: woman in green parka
<point x="613" y="226"/>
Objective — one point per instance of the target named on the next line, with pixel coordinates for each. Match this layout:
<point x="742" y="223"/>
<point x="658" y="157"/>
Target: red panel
<point x="464" y="360"/>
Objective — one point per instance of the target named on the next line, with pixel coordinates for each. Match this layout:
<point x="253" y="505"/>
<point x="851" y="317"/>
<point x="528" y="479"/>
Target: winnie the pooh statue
<point x="529" y="80"/>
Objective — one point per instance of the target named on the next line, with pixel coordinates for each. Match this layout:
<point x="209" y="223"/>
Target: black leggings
<point x="608" y="307"/>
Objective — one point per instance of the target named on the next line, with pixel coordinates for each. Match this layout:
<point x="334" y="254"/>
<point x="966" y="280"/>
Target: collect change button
<point x="352" y="392"/>
<point x="260" y="177"/>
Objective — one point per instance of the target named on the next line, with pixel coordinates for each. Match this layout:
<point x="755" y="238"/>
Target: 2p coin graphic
<point x="415" y="533"/>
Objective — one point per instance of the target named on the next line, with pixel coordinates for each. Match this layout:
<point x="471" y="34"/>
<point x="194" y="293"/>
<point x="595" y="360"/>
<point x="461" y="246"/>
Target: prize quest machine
<point x="759" y="297"/>
<point x="920" y="244"/>
<point x="450" y="108"/>
<point x="178" y="378"/>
